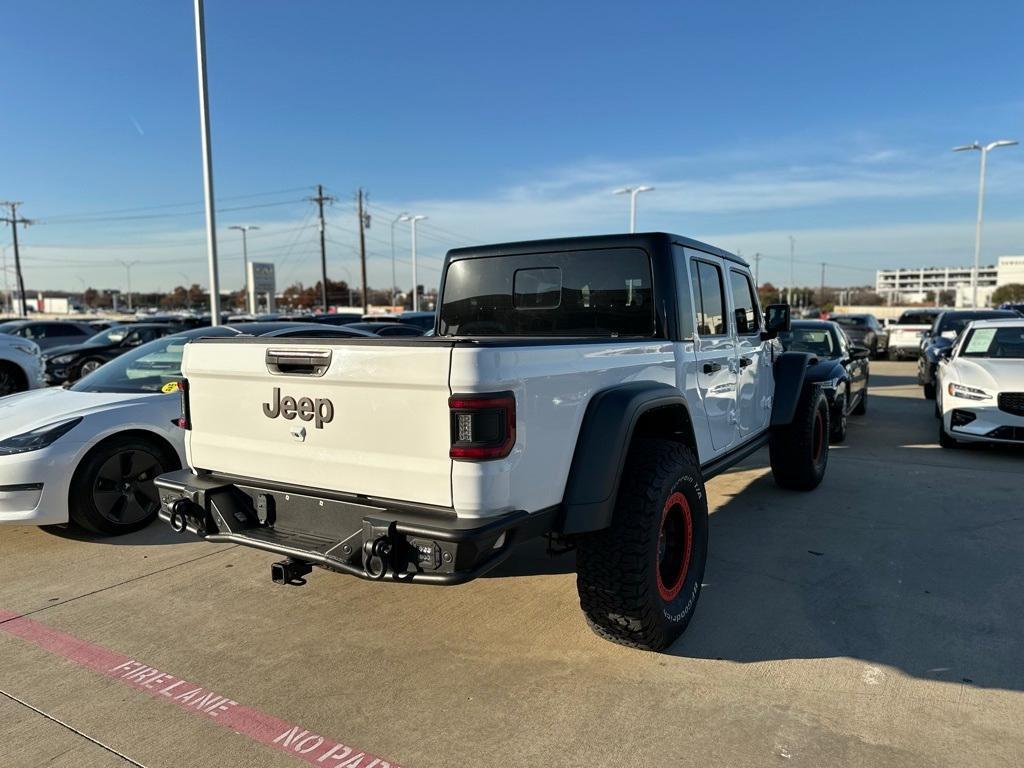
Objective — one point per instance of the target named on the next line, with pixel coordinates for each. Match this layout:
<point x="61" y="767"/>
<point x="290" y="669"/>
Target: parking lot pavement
<point x="874" y="622"/>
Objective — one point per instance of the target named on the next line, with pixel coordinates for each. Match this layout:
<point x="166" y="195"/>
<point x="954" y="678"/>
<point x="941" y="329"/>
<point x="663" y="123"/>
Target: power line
<point x="14" y="221"/>
<point x="320" y="199"/>
<point x="150" y="216"/>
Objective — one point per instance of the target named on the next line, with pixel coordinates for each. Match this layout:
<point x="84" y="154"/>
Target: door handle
<point x="712" y="367"/>
<point x="745" y="361"/>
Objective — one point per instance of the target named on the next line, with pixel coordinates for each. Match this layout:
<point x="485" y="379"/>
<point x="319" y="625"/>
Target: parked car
<point x="388" y="329"/>
<point x="49" y="333"/>
<point x="90" y="453"/>
<point x="906" y="334"/>
<point x="21" y="365"/>
<point x="423" y="320"/>
<point x="1018" y="308"/>
<point x="337" y="318"/>
<point x="980" y="393"/>
<point x="73" y="361"/>
<point x="865" y="331"/>
<point x="941" y="337"/>
<point x="583" y="387"/>
<point x="840" y="366"/>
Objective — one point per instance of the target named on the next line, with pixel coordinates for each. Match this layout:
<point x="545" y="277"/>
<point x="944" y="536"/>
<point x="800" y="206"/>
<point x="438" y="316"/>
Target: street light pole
<point x="792" y="278"/>
<point x="984" y="149"/>
<point x="415" y="285"/>
<point x="204" y="131"/>
<point x="403" y="216"/>
<point x="245" y="262"/>
<point x="128" y="270"/>
<point x="632" y="192"/>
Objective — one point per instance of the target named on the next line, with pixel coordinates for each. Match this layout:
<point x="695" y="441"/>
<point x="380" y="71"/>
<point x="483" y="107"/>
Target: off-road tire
<point x="799" y="451"/>
<point x="837" y="420"/>
<point x="929" y="391"/>
<point x="84" y="507"/>
<point x="622" y="571"/>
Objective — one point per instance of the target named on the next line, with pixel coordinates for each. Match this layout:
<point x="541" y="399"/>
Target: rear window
<point x="851" y="322"/>
<point x="603" y="293"/>
<point x="917" y="318"/>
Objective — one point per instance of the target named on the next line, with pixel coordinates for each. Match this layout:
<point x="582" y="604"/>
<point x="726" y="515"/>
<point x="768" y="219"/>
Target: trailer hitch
<point x="290" y="571"/>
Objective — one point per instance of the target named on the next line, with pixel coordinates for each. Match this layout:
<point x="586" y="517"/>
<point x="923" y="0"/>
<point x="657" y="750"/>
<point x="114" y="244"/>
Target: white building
<point x="912" y="285"/>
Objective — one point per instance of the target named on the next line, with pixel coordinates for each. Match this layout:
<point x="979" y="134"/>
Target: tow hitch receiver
<point x="290" y="571"/>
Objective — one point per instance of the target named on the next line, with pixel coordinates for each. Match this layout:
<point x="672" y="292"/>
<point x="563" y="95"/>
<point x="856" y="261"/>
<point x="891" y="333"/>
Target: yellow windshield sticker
<point x="170" y="386"/>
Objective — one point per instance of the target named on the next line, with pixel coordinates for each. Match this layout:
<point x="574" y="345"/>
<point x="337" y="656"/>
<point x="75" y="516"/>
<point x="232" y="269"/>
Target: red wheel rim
<point x="819" y="436"/>
<point x="675" y="546"/>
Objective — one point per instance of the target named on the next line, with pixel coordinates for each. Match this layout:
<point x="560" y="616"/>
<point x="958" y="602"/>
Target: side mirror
<point x="776" y="320"/>
<point x="944" y="353"/>
<point x="859" y="353"/>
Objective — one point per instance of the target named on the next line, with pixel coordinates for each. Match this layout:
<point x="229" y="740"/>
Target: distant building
<point x="912" y="285"/>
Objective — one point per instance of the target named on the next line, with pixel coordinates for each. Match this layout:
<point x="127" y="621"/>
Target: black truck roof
<point x="651" y="242"/>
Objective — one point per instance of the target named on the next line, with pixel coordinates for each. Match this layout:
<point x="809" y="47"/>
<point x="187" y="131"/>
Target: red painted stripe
<point x="306" y="745"/>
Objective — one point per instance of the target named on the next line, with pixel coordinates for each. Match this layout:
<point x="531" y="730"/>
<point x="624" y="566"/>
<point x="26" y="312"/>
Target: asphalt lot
<point x="875" y="622"/>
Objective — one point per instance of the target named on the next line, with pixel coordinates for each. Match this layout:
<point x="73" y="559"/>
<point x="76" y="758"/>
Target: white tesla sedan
<point x="89" y="453"/>
<point x="980" y="392"/>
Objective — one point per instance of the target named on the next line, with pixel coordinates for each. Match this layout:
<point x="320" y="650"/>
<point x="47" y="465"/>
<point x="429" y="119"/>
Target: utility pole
<point x="364" y="223"/>
<point x="14" y="221"/>
<point x="821" y="296"/>
<point x="320" y="199"/>
<point x="128" y="270"/>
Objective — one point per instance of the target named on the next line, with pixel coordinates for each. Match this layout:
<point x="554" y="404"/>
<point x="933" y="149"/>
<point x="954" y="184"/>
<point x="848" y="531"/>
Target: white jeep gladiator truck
<point x="584" y="389"/>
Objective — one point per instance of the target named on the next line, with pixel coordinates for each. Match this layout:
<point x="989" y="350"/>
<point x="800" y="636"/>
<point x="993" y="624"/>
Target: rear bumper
<point x="357" y="537"/>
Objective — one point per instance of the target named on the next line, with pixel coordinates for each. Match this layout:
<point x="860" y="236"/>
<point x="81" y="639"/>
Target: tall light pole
<point x="984" y="149"/>
<point x="415" y="286"/>
<point x="204" y="132"/>
<point x="792" y="278"/>
<point x="244" y="229"/>
<point x="403" y="216"/>
<point x="632" y="192"/>
<point x="128" y="271"/>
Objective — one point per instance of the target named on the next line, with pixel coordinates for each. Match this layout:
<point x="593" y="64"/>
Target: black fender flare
<point x="790" y="370"/>
<point x="601" y="447"/>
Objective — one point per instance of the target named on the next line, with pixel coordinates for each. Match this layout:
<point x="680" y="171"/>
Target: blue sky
<point x="830" y="122"/>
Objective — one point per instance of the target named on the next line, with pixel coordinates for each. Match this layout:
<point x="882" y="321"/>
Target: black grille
<point x="1007" y="433"/>
<point x="1012" y="402"/>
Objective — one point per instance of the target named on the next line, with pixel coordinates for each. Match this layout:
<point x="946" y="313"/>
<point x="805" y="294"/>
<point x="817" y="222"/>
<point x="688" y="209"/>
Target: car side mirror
<point x="776" y="320"/>
<point x="944" y="353"/>
<point x="859" y="353"/>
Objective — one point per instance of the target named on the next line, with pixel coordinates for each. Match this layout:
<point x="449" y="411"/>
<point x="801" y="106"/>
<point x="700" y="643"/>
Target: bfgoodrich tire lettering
<point x="640" y="578"/>
<point x="799" y="451"/>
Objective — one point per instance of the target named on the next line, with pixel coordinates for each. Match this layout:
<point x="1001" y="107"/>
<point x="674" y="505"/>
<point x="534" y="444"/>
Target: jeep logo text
<point x="319" y="411"/>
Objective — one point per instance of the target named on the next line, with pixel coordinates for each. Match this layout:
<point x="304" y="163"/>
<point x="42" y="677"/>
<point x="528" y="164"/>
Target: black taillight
<point x="483" y="426"/>
<point x="185" y="419"/>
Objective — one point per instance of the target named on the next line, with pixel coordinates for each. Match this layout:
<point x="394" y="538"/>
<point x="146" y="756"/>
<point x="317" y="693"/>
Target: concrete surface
<point x="875" y="622"/>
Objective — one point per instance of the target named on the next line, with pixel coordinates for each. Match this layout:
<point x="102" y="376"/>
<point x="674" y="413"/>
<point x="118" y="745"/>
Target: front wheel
<point x="87" y="367"/>
<point x="837" y="420"/>
<point x="113" y="491"/>
<point x="639" y="579"/>
<point x="799" y="450"/>
<point x="929" y="391"/>
<point x="944" y="439"/>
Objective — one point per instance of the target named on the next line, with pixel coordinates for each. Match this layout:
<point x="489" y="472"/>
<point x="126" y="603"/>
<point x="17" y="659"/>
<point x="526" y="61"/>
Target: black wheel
<point x="12" y="379"/>
<point x="874" y="349"/>
<point x="944" y="439"/>
<point x="113" y="492"/>
<point x="639" y="579"/>
<point x="799" y="451"/>
<point x="929" y="391"/>
<point x="837" y="419"/>
<point x="86" y="367"/>
<point x="862" y="405"/>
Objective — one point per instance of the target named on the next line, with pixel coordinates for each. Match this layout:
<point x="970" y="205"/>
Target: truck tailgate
<point x="354" y="416"/>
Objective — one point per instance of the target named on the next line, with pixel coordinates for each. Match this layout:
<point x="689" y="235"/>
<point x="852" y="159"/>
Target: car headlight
<point x="61" y="359"/>
<point x="37" y="438"/>
<point x="968" y="393"/>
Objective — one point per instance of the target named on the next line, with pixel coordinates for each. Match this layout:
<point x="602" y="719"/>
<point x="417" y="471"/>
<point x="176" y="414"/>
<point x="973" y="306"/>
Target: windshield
<point x="916" y="318"/>
<point x="1001" y="343"/>
<point x="147" y="368"/>
<point x="851" y="322"/>
<point x="113" y="335"/>
<point x="9" y="327"/>
<point x="817" y="341"/>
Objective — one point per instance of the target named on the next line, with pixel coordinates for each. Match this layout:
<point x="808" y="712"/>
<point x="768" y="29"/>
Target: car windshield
<point x="916" y="318"/>
<point x="956" y="323"/>
<point x="9" y="327"/>
<point x="1000" y="343"/>
<point x="851" y="322"/>
<point x="113" y="335"/>
<point x="147" y="368"/>
<point x="817" y="341"/>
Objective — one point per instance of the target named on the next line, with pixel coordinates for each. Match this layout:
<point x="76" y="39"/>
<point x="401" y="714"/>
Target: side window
<point x="710" y="299"/>
<point x="844" y="342"/>
<point x="35" y="332"/>
<point x="744" y="303"/>
<point x="59" y="329"/>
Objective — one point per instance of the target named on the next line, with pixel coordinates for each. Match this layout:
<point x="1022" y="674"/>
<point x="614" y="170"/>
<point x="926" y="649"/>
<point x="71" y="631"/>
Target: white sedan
<point x="89" y="453"/>
<point x="980" y="392"/>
